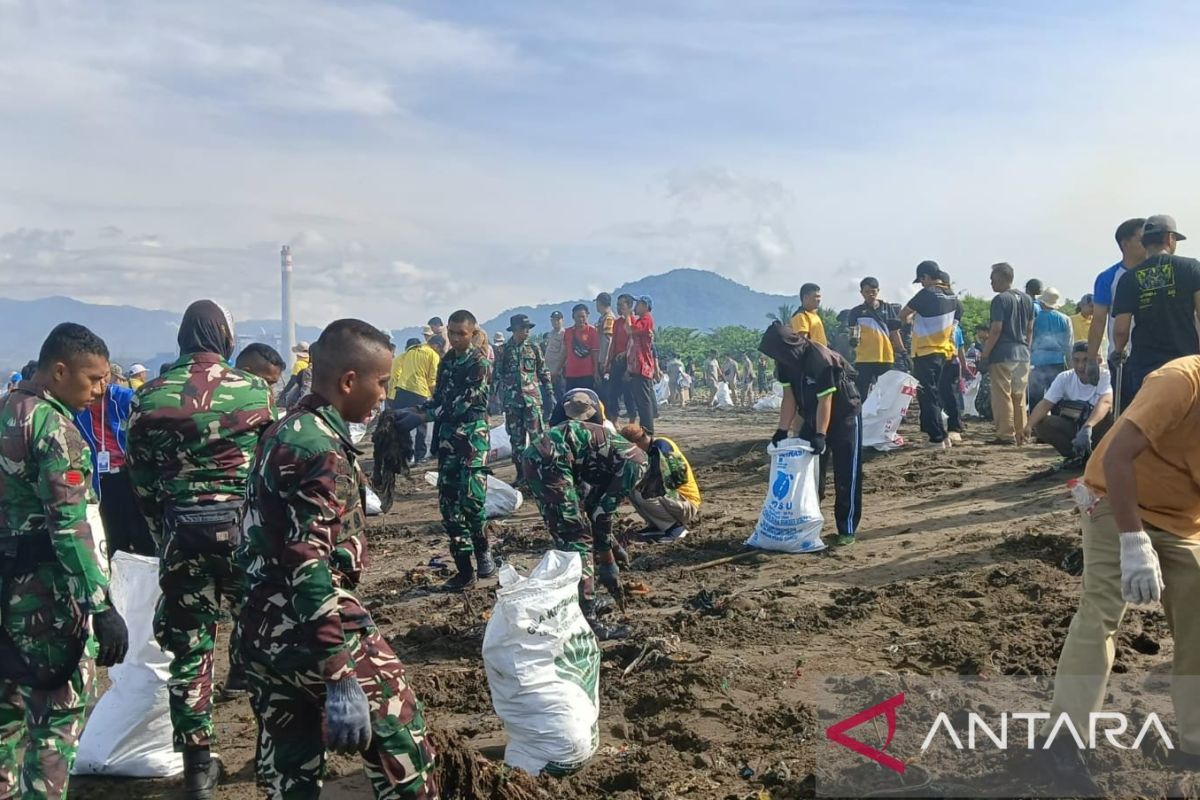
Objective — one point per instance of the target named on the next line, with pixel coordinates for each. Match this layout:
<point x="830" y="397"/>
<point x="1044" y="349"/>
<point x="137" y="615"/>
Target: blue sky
<point x="420" y="156"/>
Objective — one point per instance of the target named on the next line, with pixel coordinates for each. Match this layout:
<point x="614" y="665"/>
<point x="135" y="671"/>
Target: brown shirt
<point x="1167" y="412"/>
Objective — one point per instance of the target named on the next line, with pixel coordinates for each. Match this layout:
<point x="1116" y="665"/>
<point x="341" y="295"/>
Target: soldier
<point x="313" y="652"/>
<point x="192" y="434"/>
<point x="556" y="467"/>
<point x="461" y="436"/>
<point x="51" y="577"/>
<point x="523" y="373"/>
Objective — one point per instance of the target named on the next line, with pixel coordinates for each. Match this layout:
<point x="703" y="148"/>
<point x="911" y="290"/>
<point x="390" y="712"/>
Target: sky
<point x="424" y="156"/>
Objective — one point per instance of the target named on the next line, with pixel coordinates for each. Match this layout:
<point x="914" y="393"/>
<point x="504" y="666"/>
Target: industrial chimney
<point x="288" y="337"/>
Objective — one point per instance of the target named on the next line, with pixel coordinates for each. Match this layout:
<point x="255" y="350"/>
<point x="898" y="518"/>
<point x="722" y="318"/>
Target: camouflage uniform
<point x="45" y="484"/>
<point x="303" y="625"/>
<point x="192" y="434"/>
<point x="557" y="465"/>
<point x="461" y="436"/>
<point x="523" y="374"/>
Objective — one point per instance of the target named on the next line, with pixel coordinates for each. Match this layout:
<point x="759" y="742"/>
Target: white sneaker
<point x="942" y="445"/>
<point x="954" y="437"/>
<point x="674" y="534"/>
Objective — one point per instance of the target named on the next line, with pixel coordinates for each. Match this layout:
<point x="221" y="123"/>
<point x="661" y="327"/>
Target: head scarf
<point x="206" y="328"/>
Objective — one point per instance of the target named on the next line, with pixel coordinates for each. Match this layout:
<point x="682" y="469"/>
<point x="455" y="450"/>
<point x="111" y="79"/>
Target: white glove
<point x="1141" y="576"/>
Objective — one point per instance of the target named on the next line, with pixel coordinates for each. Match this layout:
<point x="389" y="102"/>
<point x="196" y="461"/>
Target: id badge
<point x="103" y="464"/>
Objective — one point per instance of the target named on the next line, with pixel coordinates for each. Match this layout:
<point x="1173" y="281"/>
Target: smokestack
<point x="288" y="337"/>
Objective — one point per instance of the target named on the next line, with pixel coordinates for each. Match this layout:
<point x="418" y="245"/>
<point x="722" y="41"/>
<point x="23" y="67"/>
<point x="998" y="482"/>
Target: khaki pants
<point x="1009" y="379"/>
<point x="666" y="512"/>
<point x="1087" y="657"/>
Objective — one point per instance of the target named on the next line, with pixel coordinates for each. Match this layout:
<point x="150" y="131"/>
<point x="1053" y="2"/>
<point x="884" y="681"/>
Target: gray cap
<point x="1161" y="223"/>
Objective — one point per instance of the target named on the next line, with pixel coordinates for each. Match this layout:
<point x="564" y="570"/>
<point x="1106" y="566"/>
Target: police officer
<point x="313" y="652"/>
<point x="192" y="434"/>
<point x="51" y="579"/>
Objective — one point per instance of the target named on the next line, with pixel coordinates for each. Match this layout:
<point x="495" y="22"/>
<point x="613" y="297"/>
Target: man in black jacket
<point x="823" y="394"/>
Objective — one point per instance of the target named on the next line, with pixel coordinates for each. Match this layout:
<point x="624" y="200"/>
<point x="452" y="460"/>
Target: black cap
<point x="411" y="343"/>
<point x="927" y="269"/>
<point x="518" y="322"/>
<point x="556" y="315"/>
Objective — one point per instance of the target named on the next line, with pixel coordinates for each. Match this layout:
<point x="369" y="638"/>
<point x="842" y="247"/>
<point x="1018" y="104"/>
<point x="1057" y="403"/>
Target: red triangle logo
<point x="837" y="732"/>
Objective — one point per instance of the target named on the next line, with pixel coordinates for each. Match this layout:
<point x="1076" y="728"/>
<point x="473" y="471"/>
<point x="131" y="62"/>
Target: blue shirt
<point x="1052" y="337"/>
<point x="1103" y="293"/>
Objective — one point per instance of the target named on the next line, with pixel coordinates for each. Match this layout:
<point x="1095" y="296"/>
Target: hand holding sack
<point x="112" y="636"/>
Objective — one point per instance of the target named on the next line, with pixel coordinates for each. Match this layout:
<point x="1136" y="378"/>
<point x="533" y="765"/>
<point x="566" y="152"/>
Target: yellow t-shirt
<point x="136" y="383"/>
<point x="809" y="324"/>
<point x="933" y="324"/>
<point x="690" y="490"/>
<point x="1167" y="412"/>
<point x="416" y="371"/>
<point x="300" y="365"/>
<point x="874" y="336"/>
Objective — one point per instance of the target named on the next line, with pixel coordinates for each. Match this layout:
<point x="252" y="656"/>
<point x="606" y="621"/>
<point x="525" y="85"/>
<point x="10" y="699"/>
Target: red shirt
<point x="104" y="436"/>
<point x="580" y="366"/>
<point x="641" y="347"/>
<point x="620" y="339"/>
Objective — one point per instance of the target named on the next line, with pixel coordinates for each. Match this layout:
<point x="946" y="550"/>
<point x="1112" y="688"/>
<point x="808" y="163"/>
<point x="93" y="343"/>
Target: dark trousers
<point x="406" y="399"/>
<point x="619" y="392"/>
<point x="644" y="401"/>
<point x="868" y="374"/>
<point x="843" y="446"/>
<point x="928" y="370"/>
<point x="948" y="394"/>
<point x="124" y="526"/>
<point x="1059" y="432"/>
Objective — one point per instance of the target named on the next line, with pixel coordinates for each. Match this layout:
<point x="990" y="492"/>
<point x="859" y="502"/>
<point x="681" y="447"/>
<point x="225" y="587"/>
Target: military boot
<point x="465" y="578"/>
<point x="236" y="685"/>
<point x="201" y="774"/>
<point x="485" y="565"/>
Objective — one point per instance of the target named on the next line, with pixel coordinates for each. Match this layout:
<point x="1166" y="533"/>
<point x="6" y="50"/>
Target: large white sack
<point x="773" y="401"/>
<point x="662" y="391"/>
<point x="884" y="409"/>
<point x="129" y="731"/>
<point x="970" y="396"/>
<point x="791" y="519"/>
<point x="722" y="398"/>
<point x="499" y="445"/>
<point x="374" y="504"/>
<point x="543" y="667"/>
<point x="501" y="499"/>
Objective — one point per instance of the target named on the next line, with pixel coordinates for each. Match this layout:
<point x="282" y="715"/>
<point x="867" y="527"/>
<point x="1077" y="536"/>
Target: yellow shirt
<point x="136" y="383"/>
<point x="300" y="365"/>
<point x="809" y="324"/>
<point x="1167" y="412"/>
<point x="416" y="371"/>
<point x="690" y="490"/>
<point x="1081" y="326"/>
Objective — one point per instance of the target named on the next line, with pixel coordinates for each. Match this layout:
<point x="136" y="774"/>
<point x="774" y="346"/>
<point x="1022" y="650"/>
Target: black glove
<point x="818" y="443"/>
<point x="780" y="435"/>
<point x="112" y="635"/>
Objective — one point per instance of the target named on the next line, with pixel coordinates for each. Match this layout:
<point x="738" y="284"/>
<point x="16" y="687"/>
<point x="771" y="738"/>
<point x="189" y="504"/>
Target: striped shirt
<point x="933" y="325"/>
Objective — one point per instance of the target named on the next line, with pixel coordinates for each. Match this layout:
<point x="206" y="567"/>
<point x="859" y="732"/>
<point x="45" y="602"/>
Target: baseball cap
<point x="519" y="322"/>
<point x="927" y="269"/>
<point x="556" y="315"/>
<point x="579" y="405"/>
<point x="137" y="368"/>
<point x="1161" y="223"/>
<point x="414" y="342"/>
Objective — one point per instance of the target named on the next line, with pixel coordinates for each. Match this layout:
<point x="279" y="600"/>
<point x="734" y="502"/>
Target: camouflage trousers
<point x="462" y="484"/>
<point x="47" y="724"/>
<point x="185" y="625"/>
<point x="579" y="521"/>
<point x="289" y="704"/>
<point x="522" y="423"/>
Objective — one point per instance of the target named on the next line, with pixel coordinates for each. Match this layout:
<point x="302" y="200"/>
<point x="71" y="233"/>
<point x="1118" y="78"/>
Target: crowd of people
<point x="251" y="493"/>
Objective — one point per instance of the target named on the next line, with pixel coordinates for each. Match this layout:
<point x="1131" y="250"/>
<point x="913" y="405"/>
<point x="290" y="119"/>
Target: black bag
<point x="213" y="529"/>
<point x="1075" y="410"/>
<point x="580" y="347"/>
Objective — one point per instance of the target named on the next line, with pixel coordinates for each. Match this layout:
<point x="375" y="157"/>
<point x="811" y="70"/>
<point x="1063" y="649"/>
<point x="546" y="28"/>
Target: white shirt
<point x="1068" y="386"/>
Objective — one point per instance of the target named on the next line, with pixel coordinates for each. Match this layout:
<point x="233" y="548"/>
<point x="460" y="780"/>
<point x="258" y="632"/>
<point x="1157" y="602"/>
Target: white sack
<point x="543" y="667"/>
<point x="791" y="519"/>
<point x="885" y="408"/>
<point x="374" y="504"/>
<point x="499" y="445"/>
<point x="722" y="398"/>
<point x="970" y="396"/>
<point x="662" y="391"/>
<point x="129" y="731"/>
<point x="501" y="499"/>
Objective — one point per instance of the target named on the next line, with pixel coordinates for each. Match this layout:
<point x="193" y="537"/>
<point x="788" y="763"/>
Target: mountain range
<point x="688" y="298"/>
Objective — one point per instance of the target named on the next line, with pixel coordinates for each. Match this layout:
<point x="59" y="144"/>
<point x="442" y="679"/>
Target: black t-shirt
<point x="821" y="372"/>
<point x="1159" y="293"/>
<point x="1013" y="310"/>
